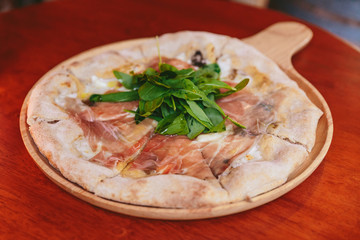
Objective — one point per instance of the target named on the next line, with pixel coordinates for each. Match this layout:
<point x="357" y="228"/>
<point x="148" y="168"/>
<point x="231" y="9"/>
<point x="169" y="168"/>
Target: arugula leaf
<point x="168" y="74"/>
<point x="167" y="67"/>
<point x="139" y="118"/>
<point x="213" y="67"/>
<point x="183" y="73"/>
<point x="173" y="124"/>
<point x="220" y="127"/>
<point x="149" y="91"/>
<point x="170" y="102"/>
<point x="150" y="72"/>
<point x="214" y="115"/>
<point x="196" y="112"/>
<point x="210" y="71"/>
<point x="166" y="110"/>
<point x="146" y="108"/>
<point x="115" y="97"/>
<point x="157" y="81"/>
<point x="189" y="91"/>
<point x="195" y="128"/>
<point x="125" y="79"/>
<point x="238" y="87"/>
<point x="235" y="122"/>
<point x="213" y="86"/>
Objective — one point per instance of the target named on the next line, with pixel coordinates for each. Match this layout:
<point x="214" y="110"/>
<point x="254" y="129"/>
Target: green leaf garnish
<point x="173" y="124"/>
<point x="149" y="91"/>
<point x="196" y="112"/>
<point x="238" y="87"/>
<point x="182" y="101"/>
<point x="115" y="97"/>
<point x="195" y="128"/>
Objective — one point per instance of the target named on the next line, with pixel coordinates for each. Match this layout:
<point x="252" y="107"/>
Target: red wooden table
<point x="36" y="38"/>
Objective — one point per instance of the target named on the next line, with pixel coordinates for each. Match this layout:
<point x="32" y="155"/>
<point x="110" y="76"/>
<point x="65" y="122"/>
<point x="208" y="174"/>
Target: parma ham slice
<point x="220" y="151"/>
<point x="172" y="155"/>
<point x="113" y="133"/>
<point x="250" y="110"/>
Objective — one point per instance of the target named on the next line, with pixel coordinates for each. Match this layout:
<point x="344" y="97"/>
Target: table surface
<point x="36" y="38"/>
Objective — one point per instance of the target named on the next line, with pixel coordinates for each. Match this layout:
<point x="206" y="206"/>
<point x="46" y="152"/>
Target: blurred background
<point x="341" y="17"/>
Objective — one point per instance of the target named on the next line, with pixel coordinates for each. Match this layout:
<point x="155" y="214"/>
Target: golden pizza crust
<point x="277" y="159"/>
<point x="61" y="143"/>
<point x="42" y="105"/>
<point x="297" y="117"/>
<point x="263" y="167"/>
<point x="171" y="191"/>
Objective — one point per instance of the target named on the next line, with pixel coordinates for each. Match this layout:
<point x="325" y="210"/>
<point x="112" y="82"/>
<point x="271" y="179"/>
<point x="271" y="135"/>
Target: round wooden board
<point x="288" y="42"/>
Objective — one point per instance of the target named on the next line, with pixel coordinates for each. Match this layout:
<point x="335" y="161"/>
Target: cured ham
<point x="105" y="111"/>
<point x="250" y="110"/>
<point x="172" y="155"/>
<point x="113" y="134"/>
<point x="203" y="158"/>
<point x="219" y="153"/>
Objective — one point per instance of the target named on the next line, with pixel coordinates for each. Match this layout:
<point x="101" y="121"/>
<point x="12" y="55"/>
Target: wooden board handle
<point x="281" y="41"/>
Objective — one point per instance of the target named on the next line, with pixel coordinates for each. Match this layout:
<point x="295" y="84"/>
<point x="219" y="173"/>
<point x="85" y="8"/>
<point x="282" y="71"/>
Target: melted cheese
<point x="134" y="173"/>
<point x="97" y="85"/>
<point x="212" y="137"/>
<point x="225" y="65"/>
<point x="82" y="147"/>
<point x="182" y="57"/>
<point x="252" y="155"/>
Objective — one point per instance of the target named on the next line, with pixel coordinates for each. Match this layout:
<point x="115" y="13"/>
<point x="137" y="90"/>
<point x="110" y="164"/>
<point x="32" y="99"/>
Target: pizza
<point x="188" y="120"/>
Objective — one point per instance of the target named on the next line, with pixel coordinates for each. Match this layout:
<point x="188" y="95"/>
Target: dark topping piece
<point x="197" y="59"/>
<point x="226" y="161"/>
<point x="266" y="106"/>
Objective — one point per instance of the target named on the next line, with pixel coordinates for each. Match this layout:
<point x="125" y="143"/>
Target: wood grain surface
<point x="35" y="39"/>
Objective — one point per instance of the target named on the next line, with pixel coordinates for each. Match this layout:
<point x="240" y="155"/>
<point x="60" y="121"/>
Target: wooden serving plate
<point x="279" y="42"/>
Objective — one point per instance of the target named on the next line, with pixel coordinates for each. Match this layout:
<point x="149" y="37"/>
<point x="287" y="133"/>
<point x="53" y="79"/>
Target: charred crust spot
<point x="233" y="74"/>
<point x="218" y="57"/>
<point x="197" y="59"/>
<point x="240" y="131"/>
<point x="75" y="64"/>
<point x="273" y="125"/>
<point x="226" y="161"/>
<point x="53" y="121"/>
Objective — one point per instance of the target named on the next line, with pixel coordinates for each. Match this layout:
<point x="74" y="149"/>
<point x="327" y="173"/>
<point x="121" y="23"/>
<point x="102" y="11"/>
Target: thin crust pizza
<point x="184" y="131"/>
